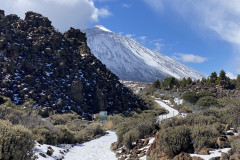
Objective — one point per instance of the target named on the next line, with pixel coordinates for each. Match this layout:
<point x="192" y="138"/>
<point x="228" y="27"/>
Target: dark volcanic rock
<point x="56" y="70"/>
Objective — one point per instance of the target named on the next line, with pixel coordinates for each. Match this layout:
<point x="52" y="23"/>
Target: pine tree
<point x="189" y="81"/>
<point x="183" y="82"/>
<point x="156" y="84"/>
<point x="213" y="78"/>
<point x="222" y="76"/>
<point x="238" y="81"/>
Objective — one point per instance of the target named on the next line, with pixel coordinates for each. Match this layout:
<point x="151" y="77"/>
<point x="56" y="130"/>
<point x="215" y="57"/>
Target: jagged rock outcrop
<point x="56" y="70"/>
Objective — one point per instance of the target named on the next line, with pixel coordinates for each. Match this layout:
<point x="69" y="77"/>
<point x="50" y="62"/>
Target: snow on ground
<point x="178" y="101"/>
<point x="172" y="112"/>
<point x="98" y="149"/>
<point x="57" y="154"/>
<point x="215" y="153"/>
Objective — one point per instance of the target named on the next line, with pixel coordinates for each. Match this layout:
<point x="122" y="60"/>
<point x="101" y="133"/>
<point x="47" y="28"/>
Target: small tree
<point x="238" y="81"/>
<point x="170" y="82"/>
<point x="222" y="76"/>
<point x="156" y="84"/>
<point x="213" y="78"/>
<point x="189" y="81"/>
<point x="183" y="82"/>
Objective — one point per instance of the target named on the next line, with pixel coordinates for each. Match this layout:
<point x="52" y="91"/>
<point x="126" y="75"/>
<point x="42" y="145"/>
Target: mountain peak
<point x="100" y="27"/>
<point x="131" y="61"/>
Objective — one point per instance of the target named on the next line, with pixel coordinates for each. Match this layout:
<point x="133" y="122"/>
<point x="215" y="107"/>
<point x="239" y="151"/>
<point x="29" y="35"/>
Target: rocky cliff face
<point x="56" y="70"/>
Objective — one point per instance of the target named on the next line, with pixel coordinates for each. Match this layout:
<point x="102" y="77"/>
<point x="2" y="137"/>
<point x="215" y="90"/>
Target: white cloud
<point x="158" y="46"/>
<point x="231" y="75"/>
<point x="143" y="38"/>
<point x="130" y="36"/>
<point x="155" y="4"/>
<point x="126" y="5"/>
<point x="63" y="13"/>
<point x="217" y="16"/>
<point x="189" y="58"/>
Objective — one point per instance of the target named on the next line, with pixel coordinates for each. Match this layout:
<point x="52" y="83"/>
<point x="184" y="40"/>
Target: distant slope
<point x="131" y="61"/>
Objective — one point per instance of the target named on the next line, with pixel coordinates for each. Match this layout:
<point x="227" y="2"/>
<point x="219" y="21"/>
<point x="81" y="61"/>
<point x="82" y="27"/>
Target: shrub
<point x="145" y="126"/>
<point x="130" y="137"/>
<point x="94" y="129"/>
<point x="174" y="140"/>
<point x="205" y="136"/>
<point x="207" y="101"/>
<point x="235" y="145"/>
<point x="62" y="119"/>
<point x="186" y="109"/>
<point x="205" y="93"/>
<point x="43" y="135"/>
<point x="16" y="142"/>
<point x="191" y="97"/>
<point x="66" y="136"/>
<point x="122" y="129"/>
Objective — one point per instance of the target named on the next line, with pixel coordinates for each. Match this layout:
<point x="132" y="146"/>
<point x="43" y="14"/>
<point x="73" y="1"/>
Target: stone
<point x="235" y="156"/>
<point x="183" y="156"/>
<point x="215" y="158"/>
<point x="224" y="156"/>
<point x="205" y="151"/>
<point x="223" y="142"/>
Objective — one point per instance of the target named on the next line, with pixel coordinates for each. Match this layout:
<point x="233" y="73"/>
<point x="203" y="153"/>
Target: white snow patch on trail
<point x="98" y="149"/>
<point x="172" y="112"/>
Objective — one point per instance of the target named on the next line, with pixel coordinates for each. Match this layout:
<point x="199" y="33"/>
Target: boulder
<point x="223" y="142"/>
<point x="183" y="156"/>
<point x="224" y="156"/>
<point x="205" y="151"/>
<point x="235" y="156"/>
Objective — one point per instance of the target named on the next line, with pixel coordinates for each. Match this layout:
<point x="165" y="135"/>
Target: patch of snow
<point x="43" y="149"/>
<point x="215" y="153"/>
<point x="178" y="101"/>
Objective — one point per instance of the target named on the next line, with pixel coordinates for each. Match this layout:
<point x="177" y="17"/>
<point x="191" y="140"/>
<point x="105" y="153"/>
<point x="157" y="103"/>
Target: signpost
<point x="103" y="116"/>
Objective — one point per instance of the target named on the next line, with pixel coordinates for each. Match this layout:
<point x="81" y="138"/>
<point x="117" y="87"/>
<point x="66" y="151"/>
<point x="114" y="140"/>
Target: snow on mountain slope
<point x="131" y="61"/>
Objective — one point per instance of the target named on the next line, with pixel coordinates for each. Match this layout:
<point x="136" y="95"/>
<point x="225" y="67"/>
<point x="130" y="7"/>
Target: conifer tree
<point x="222" y="76"/>
<point x="156" y="84"/>
<point x="213" y="78"/>
<point x="238" y="81"/>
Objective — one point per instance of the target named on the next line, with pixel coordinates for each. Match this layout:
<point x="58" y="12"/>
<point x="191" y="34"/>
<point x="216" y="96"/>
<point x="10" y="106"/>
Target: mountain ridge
<point x="131" y="61"/>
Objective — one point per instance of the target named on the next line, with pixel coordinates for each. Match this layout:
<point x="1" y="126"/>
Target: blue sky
<point x="204" y="35"/>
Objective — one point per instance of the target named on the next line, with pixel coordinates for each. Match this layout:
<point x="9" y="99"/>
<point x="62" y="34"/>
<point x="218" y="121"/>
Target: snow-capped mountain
<point x="131" y="61"/>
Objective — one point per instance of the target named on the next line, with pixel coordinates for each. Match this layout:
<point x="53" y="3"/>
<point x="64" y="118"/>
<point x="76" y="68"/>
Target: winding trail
<point x="99" y="149"/>
<point x="171" y="112"/>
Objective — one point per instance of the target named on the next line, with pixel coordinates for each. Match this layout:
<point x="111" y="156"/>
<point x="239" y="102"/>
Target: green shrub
<point x="191" y="97"/>
<point x="66" y="136"/>
<point x="62" y="119"/>
<point x="45" y="136"/>
<point x="130" y="137"/>
<point x="205" y="93"/>
<point x="122" y="129"/>
<point x="174" y="140"/>
<point x="186" y="109"/>
<point x="205" y="136"/>
<point x="94" y="129"/>
<point x="235" y="145"/>
<point x="145" y="126"/>
<point x="16" y="142"/>
<point x="207" y="101"/>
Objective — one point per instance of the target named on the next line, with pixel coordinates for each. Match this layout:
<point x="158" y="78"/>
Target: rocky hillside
<point x="56" y="70"/>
